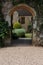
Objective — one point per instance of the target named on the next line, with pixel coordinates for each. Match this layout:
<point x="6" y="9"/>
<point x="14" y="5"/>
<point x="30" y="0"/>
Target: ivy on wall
<point x="3" y="26"/>
<point x="32" y="3"/>
<point x="15" y="2"/>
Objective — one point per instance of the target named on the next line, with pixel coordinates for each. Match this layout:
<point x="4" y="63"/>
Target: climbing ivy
<point x="3" y="26"/>
<point x="37" y="4"/>
<point x="15" y="2"/>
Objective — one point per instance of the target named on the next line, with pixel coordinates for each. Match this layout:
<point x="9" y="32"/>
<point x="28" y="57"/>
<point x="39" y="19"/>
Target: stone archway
<point x="29" y="9"/>
<point x="23" y="6"/>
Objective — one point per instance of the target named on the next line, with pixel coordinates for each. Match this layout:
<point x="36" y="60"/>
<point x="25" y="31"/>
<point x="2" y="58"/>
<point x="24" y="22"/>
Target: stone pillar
<point x="8" y="18"/>
<point x="7" y="40"/>
<point x="34" y="40"/>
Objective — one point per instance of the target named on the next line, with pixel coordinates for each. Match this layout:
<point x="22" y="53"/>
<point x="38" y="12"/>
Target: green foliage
<point x="16" y="25"/>
<point x="15" y="2"/>
<point x="30" y="28"/>
<point x="41" y="27"/>
<point x="19" y="32"/>
<point x="28" y="35"/>
<point x="33" y="3"/>
<point x="3" y="26"/>
<point x="22" y="1"/>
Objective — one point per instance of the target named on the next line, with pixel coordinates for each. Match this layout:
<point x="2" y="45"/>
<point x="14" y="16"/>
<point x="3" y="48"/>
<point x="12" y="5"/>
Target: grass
<point x="28" y="35"/>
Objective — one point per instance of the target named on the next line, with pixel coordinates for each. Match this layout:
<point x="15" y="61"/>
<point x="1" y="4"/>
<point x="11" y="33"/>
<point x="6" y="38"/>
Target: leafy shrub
<point x="30" y="28"/>
<point x="28" y="35"/>
<point x="19" y="32"/>
<point x="41" y="27"/>
<point x="3" y="32"/>
<point x="16" y="25"/>
<point x="16" y="2"/>
<point x="3" y="26"/>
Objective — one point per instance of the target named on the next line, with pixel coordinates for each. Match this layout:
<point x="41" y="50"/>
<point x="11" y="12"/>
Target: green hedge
<point x="19" y="32"/>
<point x="28" y="35"/>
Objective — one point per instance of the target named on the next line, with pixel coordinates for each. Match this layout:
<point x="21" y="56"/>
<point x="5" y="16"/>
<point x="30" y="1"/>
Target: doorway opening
<point x="22" y="23"/>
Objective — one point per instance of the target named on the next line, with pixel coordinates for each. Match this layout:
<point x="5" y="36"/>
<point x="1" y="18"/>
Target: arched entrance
<point x="30" y="11"/>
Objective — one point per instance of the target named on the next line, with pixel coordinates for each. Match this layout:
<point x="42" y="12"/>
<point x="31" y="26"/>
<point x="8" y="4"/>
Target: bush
<point x="41" y="27"/>
<point x="16" y="25"/>
<point x="19" y="32"/>
<point x="4" y="28"/>
<point x="30" y="28"/>
<point x="28" y="35"/>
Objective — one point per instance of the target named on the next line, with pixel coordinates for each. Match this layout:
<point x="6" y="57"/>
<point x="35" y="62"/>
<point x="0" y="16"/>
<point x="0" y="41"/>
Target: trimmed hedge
<point x="28" y="35"/>
<point x="19" y="32"/>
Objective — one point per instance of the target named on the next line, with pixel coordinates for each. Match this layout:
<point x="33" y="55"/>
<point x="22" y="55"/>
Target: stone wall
<point x="8" y="5"/>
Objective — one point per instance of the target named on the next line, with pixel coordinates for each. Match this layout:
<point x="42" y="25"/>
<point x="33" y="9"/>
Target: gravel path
<point x="21" y="55"/>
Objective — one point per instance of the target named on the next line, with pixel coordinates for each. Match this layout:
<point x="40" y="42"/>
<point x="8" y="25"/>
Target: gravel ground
<point x="29" y="55"/>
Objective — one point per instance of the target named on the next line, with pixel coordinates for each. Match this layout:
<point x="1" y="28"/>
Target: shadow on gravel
<point x="21" y="42"/>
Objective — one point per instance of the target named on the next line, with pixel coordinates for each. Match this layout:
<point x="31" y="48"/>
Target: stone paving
<point x="24" y="55"/>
